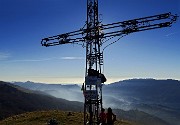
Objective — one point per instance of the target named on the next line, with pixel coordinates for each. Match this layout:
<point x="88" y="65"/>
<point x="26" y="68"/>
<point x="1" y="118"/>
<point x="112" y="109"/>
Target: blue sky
<point x="23" y="23"/>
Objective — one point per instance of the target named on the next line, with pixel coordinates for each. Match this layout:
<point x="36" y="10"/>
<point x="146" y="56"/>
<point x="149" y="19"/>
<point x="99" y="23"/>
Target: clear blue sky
<point x="23" y="23"/>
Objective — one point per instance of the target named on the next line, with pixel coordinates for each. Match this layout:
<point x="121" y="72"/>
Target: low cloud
<point x="4" y="56"/>
<point x="170" y="34"/>
<point x="47" y="59"/>
<point x="72" y="58"/>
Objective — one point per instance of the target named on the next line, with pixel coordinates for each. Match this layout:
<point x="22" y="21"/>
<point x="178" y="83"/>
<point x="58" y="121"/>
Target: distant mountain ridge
<point x="148" y="90"/>
<point x="70" y="92"/>
<point x="16" y="100"/>
<point x="160" y="98"/>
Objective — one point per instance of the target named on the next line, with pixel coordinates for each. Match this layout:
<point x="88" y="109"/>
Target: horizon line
<point x="70" y="83"/>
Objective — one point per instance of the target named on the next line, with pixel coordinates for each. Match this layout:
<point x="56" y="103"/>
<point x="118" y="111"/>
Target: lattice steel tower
<point x="94" y="60"/>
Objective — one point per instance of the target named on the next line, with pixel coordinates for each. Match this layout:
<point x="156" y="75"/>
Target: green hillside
<point x="15" y="100"/>
<point x="42" y="117"/>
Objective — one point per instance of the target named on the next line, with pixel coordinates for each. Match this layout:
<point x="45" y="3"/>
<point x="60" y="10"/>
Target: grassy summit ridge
<point x="42" y="117"/>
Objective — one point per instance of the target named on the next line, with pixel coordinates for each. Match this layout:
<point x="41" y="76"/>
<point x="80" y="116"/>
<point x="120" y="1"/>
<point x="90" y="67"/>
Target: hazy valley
<point x="145" y="101"/>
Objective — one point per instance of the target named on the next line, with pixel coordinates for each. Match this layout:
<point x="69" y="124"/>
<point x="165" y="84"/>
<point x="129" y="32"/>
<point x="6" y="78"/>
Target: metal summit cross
<point x="93" y="36"/>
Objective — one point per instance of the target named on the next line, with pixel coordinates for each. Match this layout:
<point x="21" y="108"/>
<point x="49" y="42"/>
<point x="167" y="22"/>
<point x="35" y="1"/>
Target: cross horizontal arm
<point x="139" y="24"/>
<point x="70" y="37"/>
<point x="119" y="29"/>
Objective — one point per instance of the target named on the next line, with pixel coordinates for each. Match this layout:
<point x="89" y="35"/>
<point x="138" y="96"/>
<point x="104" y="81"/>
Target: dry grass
<point x="42" y="117"/>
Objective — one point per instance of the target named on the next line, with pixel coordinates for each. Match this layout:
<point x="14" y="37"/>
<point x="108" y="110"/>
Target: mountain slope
<point x="70" y="92"/>
<point x="41" y="118"/>
<point x="14" y="100"/>
<point x="160" y="98"/>
<point x="139" y="117"/>
<point x="149" y="90"/>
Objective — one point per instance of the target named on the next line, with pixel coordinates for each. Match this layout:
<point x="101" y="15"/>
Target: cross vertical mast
<point x="94" y="61"/>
